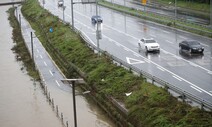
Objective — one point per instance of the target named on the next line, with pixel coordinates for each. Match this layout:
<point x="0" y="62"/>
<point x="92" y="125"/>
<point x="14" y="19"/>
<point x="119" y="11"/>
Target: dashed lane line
<point x="45" y="63"/>
<point x="169" y="42"/>
<point x="166" y="32"/>
<point x="50" y="72"/>
<point x="41" y="56"/>
<point x="57" y="82"/>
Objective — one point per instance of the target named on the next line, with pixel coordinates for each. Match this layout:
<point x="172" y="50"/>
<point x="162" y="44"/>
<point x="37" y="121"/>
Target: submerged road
<point x="87" y="112"/>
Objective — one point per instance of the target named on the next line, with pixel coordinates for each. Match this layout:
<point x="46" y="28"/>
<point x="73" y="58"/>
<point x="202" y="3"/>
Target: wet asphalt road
<point x="120" y="35"/>
<point x="165" y="11"/>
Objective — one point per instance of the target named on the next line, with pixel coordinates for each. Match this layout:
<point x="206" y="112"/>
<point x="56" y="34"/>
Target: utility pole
<point x="211" y="13"/>
<point x="72" y="14"/>
<point x="97" y="30"/>
<point x="175" y="11"/>
<point x="32" y="48"/>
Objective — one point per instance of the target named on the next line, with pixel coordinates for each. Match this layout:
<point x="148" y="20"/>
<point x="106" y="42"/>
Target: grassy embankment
<point x="148" y="105"/>
<point x="20" y="48"/>
<point x="179" y="24"/>
<point x="195" y="6"/>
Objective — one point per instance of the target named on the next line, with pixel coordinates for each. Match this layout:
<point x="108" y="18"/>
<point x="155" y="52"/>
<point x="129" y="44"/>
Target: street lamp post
<point x="64" y="13"/>
<point x="72" y="14"/>
<point x="74" y="103"/>
<point x="175" y="11"/>
<point x="73" y="82"/>
<point x="211" y="13"/>
<point x="32" y="47"/>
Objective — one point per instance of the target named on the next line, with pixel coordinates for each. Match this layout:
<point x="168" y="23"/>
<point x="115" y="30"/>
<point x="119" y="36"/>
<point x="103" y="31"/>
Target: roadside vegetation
<point x="20" y="48"/>
<point x="148" y="105"/>
<point x="165" y="20"/>
<point x="196" y="5"/>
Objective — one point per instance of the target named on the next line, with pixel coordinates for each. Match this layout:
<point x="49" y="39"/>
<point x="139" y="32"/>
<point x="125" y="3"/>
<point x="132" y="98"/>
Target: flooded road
<point x="22" y="104"/>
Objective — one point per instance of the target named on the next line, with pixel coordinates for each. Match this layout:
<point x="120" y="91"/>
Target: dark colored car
<point x="191" y="46"/>
<point x="96" y="19"/>
<point x="60" y="3"/>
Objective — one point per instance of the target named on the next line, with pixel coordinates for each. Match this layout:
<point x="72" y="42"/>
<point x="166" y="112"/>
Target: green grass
<point x="188" y="4"/>
<point x="190" y="27"/>
<point x="148" y="104"/>
<point x="20" y="48"/>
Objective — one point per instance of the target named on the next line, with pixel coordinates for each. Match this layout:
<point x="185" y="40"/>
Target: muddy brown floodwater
<point x="22" y="104"/>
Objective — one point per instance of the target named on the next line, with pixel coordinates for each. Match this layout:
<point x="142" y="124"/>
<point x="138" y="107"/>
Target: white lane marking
<point x="126" y="49"/>
<point x="150" y="61"/>
<point x="140" y="31"/>
<point x="38" y="51"/>
<point x="153" y="28"/>
<point x="196" y="89"/>
<point x="210" y="72"/>
<point x="160" y="68"/>
<point x="152" y="35"/>
<point x="45" y="63"/>
<point x="186" y="60"/>
<point x="133" y="61"/>
<point x="136" y="54"/>
<point x="140" y="23"/>
<point x="164" y="51"/>
<point x="166" y="32"/>
<point x="50" y="72"/>
<point x="193" y="64"/>
<point x="41" y="56"/>
<point x="182" y="37"/>
<point x="177" y="57"/>
<point x="169" y="42"/>
<point x="57" y="83"/>
<point x="177" y="77"/>
<point x="117" y="44"/>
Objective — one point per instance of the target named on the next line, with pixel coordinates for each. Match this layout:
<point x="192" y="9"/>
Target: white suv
<point x="148" y="45"/>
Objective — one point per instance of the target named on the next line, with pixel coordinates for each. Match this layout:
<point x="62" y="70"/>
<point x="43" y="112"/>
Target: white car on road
<point x="148" y="45"/>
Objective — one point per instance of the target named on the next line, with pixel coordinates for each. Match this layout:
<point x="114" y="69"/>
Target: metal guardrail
<point x="166" y="22"/>
<point x="183" y="94"/>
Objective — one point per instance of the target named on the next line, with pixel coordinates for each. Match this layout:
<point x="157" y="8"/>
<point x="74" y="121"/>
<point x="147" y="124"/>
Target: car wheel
<point x="146" y="50"/>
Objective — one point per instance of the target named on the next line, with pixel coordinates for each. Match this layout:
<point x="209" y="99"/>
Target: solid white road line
<point x="178" y="78"/>
<point x="38" y="51"/>
<point x="152" y="35"/>
<point x="135" y="54"/>
<point x="160" y="68"/>
<point x="196" y="89"/>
